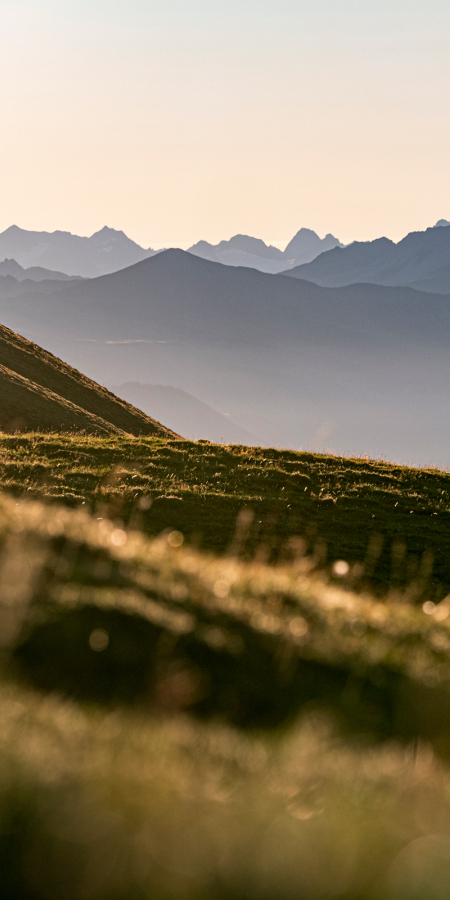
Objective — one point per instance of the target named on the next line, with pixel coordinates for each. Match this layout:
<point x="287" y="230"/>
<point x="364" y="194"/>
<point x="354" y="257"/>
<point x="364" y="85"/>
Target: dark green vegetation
<point x="392" y="520"/>
<point x="39" y="391"/>
<point x="211" y="713"/>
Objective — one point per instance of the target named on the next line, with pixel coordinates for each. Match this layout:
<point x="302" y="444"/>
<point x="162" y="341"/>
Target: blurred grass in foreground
<point x="105" y="633"/>
<point x="115" y="805"/>
<point x="109" y="615"/>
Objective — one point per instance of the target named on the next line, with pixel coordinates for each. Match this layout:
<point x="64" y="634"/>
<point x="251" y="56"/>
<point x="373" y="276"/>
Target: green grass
<point x="38" y="390"/>
<point x="109" y="791"/>
<point x="192" y="705"/>
<point x="247" y="642"/>
<point x="393" y="521"/>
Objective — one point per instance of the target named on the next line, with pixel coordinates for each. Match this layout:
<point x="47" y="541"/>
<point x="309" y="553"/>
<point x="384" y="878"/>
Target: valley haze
<point x="353" y="368"/>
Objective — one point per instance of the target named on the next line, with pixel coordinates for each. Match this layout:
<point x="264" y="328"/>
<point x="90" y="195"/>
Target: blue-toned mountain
<point x="421" y="260"/>
<point x="361" y="369"/>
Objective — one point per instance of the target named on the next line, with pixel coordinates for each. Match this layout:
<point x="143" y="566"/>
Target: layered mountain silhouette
<point x="105" y="251"/>
<point x="13" y="287"/>
<point x="34" y="273"/>
<point x="62" y="253"/>
<point x="360" y="369"/>
<point x="38" y="392"/>
<point x="177" y="297"/>
<point x="184" y="413"/>
<point x="421" y="260"/>
<point x="242" y="250"/>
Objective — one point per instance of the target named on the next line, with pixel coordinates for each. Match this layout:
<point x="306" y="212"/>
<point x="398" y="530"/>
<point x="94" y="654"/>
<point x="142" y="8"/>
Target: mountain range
<point x="34" y="273"/>
<point x="108" y="250"/>
<point x="421" y="260"/>
<point x="242" y="250"/>
<point x="105" y="251"/>
<point x="359" y="369"/>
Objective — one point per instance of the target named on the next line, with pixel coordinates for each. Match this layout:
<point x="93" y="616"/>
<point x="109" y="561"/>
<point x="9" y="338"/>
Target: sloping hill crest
<point x="40" y="392"/>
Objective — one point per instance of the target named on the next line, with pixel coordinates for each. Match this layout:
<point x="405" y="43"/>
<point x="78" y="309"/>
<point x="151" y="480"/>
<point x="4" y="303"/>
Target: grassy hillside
<point x="105" y="633"/>
<point x="25" y="404"/>
<point x="184" y="724"/>
<point x="230" y="624"/>
<point x="392" y="521"/>
<point x="39" y="391"/>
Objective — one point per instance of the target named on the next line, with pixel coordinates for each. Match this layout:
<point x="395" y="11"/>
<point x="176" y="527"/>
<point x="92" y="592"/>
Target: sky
<point x="181" y="120"/>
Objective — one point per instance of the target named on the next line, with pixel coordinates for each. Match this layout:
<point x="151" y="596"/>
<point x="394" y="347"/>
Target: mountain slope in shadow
<point x="26" y="406"/>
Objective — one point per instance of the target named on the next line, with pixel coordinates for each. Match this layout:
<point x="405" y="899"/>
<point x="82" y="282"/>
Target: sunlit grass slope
<point x="23" y="401"/>
<point x="393" y="521"/>
<point x="40" y="392"/>
<point x="105" y="632"/>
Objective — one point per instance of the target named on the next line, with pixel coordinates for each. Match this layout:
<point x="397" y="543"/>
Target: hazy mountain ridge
<point x="177" y="297"/>
<point x="60" y="254"/>
<point x="420" y="260"/>
<point x="242" y="250"/>
<point x="34" y="273"/>
<point x="105" y="251"/>
<point x="13" y="287"/>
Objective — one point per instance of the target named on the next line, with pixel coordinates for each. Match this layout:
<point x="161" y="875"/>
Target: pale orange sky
<point x="176" y="120"/>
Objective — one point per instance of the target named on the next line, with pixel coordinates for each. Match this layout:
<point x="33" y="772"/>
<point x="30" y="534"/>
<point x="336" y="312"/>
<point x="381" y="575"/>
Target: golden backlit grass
<point x="178" y="724"/>
<point x="393" y="521"/>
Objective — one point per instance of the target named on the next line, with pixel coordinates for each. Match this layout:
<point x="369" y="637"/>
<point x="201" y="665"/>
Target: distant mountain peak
<point x="105" y="251"/>
<point x="109" y="232"/>
<point x="242" y="243"/>
<point x="420" y="260"/>
<point x="252" y="245"/>
<point x="12" y="230"/>
<point x="11" y="267"/>
<point x="306" y="245"/>
<point x="305" y="231"/>
<point x="250" y="252"/>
